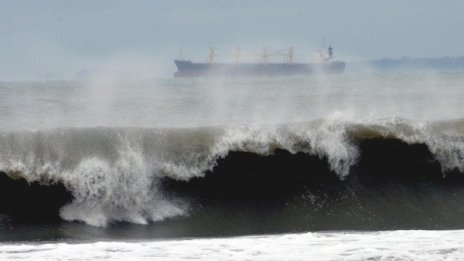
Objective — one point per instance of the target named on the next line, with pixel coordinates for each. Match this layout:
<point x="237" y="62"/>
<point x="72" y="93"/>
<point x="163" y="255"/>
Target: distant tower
<point x="265" y="56"/>
<point x="330" y="52"/>
<point x="290" y="55"/>
<point x="237" y="54"/>
<point x="211" y="55"/>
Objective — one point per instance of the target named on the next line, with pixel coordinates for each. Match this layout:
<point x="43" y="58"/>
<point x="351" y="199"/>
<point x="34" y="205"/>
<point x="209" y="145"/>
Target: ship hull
<point x="189" y="69"/>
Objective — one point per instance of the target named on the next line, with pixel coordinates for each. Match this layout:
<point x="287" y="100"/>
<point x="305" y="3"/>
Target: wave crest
<point x="113" y="173"/>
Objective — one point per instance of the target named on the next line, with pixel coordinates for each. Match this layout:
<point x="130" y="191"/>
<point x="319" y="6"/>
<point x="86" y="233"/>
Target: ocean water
<point x="352" y="166"/>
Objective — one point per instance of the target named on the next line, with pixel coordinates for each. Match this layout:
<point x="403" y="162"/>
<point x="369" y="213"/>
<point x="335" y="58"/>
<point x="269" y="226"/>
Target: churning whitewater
<point x="114" y="174"/>
<point x="390" y="245"/>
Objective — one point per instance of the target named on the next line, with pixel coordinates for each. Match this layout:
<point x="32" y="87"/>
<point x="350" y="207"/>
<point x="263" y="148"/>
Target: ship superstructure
<point x="327" y="64"/>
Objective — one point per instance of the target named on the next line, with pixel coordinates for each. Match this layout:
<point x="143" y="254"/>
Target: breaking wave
<point x="129" y="174"/>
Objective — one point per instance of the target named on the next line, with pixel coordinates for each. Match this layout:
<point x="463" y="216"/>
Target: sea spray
<point x="113" y="173"/>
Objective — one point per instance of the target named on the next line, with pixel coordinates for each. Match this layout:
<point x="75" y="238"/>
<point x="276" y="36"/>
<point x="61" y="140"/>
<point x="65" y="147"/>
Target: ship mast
<point x="321" y="52"/>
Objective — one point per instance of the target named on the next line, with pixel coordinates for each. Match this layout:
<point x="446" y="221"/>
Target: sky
<point x="57" y="39"/>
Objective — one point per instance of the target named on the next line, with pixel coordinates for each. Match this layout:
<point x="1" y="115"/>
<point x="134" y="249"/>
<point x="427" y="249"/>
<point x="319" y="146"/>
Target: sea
<point x="356" y="166"/>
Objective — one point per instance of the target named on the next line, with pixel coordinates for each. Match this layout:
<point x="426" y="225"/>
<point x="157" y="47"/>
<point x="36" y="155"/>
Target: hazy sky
<point x="50" y="39"/>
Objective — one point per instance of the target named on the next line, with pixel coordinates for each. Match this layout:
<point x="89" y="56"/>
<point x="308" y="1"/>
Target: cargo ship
<point x="327" y="64"/>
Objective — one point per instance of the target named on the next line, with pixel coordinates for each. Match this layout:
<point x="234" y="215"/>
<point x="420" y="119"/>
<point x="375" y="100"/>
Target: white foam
<point x="392" y="245"/>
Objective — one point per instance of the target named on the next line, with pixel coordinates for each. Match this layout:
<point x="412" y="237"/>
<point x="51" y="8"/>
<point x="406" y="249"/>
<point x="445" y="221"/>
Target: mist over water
<point x="111" y="100"/>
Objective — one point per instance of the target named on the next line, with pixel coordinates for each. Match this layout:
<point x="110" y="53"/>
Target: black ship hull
<point x="189" y="69"/>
